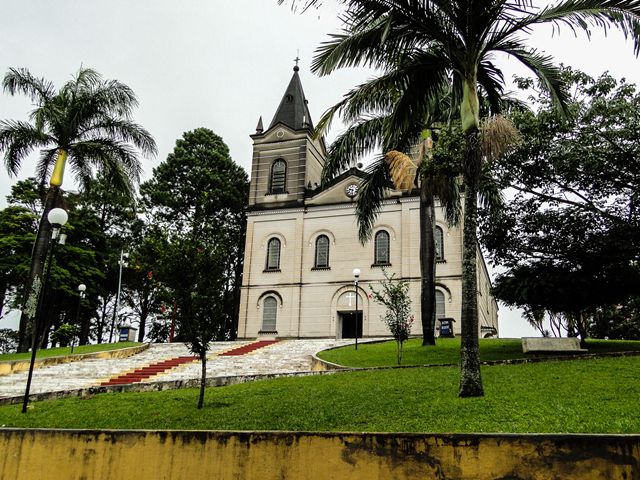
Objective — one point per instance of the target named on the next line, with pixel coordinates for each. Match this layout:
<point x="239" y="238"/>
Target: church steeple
<point x="293" y="110"/>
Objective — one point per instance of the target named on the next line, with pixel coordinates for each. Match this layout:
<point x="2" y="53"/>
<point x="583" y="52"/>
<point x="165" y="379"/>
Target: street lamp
<point x="57" y="217"/>
<point x="121" y="263"/>
<point x="356" y="277"/>
<point x="81" y="289"/>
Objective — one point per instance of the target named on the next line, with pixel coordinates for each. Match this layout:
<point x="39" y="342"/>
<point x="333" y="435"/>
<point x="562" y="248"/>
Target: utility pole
<point x="121" y="264"/>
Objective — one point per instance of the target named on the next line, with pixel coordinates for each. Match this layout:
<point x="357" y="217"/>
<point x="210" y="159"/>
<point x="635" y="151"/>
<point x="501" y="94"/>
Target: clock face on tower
<point x="351" y="190"/>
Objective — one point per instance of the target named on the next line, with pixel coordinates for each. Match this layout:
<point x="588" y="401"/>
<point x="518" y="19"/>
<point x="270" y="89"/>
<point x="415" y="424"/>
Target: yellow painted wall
<point x="152" y="455"/>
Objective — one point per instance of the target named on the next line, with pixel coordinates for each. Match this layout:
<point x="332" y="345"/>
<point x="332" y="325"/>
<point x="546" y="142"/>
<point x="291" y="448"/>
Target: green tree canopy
<point x="570" y="234"/>
<point x="198" y="199"/>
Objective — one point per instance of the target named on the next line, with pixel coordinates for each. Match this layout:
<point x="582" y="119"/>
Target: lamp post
<point x="356" y="277"/>
<point x="57" y="217"/>
<point x="81" y="289"/>
<point x="121" y="263"/>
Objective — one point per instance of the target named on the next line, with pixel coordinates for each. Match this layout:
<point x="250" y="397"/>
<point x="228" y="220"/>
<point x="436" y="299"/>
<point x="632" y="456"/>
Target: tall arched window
<point x="273" y="254"/>
<point x="439" y="241"/>
<point x="269" y="314"/>
<point x="278" y="176"/>
<point x="381" y="248"/>
<point x="439" y="305"/>
<point x="322" y="252"/>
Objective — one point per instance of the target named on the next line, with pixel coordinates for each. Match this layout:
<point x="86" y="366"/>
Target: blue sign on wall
<point x="446" y="327"/>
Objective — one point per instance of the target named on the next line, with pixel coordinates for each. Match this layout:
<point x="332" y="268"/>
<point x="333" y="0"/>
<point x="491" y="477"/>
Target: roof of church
<point x="293" y="110"/>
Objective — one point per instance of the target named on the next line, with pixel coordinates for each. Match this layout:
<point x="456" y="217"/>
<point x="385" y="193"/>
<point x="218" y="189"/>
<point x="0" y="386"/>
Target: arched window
<point x="269" y="314"/>
<point x="322" y="252"/>
<point x="273" y="254"/>
<point x="439" y="305"/>
<point x="381" y="253"/>
<point x="439" y="241"/>
<point x="278" y="176"/>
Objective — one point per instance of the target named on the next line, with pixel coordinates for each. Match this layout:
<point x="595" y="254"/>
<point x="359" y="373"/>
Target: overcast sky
<point x="216" y="63"/>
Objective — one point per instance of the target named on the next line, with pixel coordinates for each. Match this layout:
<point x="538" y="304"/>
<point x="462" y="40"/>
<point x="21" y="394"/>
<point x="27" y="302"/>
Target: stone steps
<point x="143" y="373"/>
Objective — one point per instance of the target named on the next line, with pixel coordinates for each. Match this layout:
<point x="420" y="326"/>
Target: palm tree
<point x="87" y="123"/>
<point x="367" y="133"/>
<point x="452" y="43"/>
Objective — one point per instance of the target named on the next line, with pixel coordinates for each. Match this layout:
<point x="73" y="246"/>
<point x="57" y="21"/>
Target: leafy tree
<point x="16" y="238"/>
<point x="75" y="262"/>
<point x="8" y="340"/>
<point x="452" y="43"/>
<point x="395" y="296"/>
<point x="570" y="236"/>
<point x="143" y="293"/>
<point x="64" y="335"/>
<point x="159" y="331"/>
<point x="621" y="322"/>
<point x="87" y="123"/>
<point x="197" y="197"/>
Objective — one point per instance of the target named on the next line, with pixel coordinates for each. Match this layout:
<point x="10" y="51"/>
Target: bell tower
<point x="286" y="157"/>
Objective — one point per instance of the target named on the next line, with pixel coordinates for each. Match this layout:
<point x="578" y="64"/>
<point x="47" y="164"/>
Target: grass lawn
<point x="594" y="395"/>
<point x="56" y="352"/>
<point x="447" y="351"/>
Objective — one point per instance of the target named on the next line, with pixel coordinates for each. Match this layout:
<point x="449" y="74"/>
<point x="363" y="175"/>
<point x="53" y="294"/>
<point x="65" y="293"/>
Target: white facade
<point x="298" y="293"/>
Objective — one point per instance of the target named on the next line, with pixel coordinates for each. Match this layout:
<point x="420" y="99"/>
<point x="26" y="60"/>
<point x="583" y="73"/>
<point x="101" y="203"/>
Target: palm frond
<point x="370" y="197"/>
<point x="583" y="14"/>
<point x="45" y="164"/>
<point x="447" y="190"/>
<point x="122" y="130"/>
<point x="357" y="141"/>
<point x="490" y="195"/>
<point x="426" y="81"/>
<point x="547" y="72"/>
<point x="17" y="140"/>
<point x="111" y="97"/>
<point x="369" y="40"/>
<point x="20" y="80"/>
<point x="491" y="81"/>
<point x="117" y="160"/>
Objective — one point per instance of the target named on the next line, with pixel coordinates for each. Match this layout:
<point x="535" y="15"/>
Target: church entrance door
<point x="348" y="321"/>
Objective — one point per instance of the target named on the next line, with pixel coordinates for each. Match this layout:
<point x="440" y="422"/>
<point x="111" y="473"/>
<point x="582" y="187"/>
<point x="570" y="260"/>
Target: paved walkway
<point x="281" y="357"/>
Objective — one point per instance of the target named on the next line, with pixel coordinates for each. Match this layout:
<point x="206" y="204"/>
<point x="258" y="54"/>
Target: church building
<point x="302" y="243"/>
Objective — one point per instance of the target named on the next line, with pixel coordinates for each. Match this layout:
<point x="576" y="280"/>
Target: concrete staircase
<point x="141" y="374"/>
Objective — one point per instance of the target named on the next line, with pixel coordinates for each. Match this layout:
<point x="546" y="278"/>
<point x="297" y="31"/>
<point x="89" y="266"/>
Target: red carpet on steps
<point x="149" y="371"/>
<point x="248" y="348"/>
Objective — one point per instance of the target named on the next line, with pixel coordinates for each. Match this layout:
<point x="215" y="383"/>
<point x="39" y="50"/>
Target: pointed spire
<point x="260" y="128"/>
<point x="293" y="110"/>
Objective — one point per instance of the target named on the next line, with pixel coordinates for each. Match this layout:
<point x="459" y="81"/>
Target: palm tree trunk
<point x="38" y="256"/>
<point x="203" y="379"/>
<point x="427" y="266"/>
<point x="470" y="378"/>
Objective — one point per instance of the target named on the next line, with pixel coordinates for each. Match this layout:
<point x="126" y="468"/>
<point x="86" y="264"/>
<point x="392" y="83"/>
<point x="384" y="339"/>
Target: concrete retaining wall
<point x="142" y="455"/>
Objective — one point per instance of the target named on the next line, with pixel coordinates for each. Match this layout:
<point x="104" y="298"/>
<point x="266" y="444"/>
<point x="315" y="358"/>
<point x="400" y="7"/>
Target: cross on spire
<point x="297" y="59"/>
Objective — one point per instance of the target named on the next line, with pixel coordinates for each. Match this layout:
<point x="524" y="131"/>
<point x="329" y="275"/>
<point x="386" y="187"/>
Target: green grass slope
<point x="447" y="351"/>
<point x="590" y="396"/>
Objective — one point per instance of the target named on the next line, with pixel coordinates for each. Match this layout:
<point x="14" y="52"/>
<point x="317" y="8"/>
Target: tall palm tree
<point x="87" y="124"/>
<point x="452" y="42"/>
<point x="404" y="171"/>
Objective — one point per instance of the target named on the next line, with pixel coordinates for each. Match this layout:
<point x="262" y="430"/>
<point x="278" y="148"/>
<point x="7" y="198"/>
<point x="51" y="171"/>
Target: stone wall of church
<point x="308" y="297"/>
